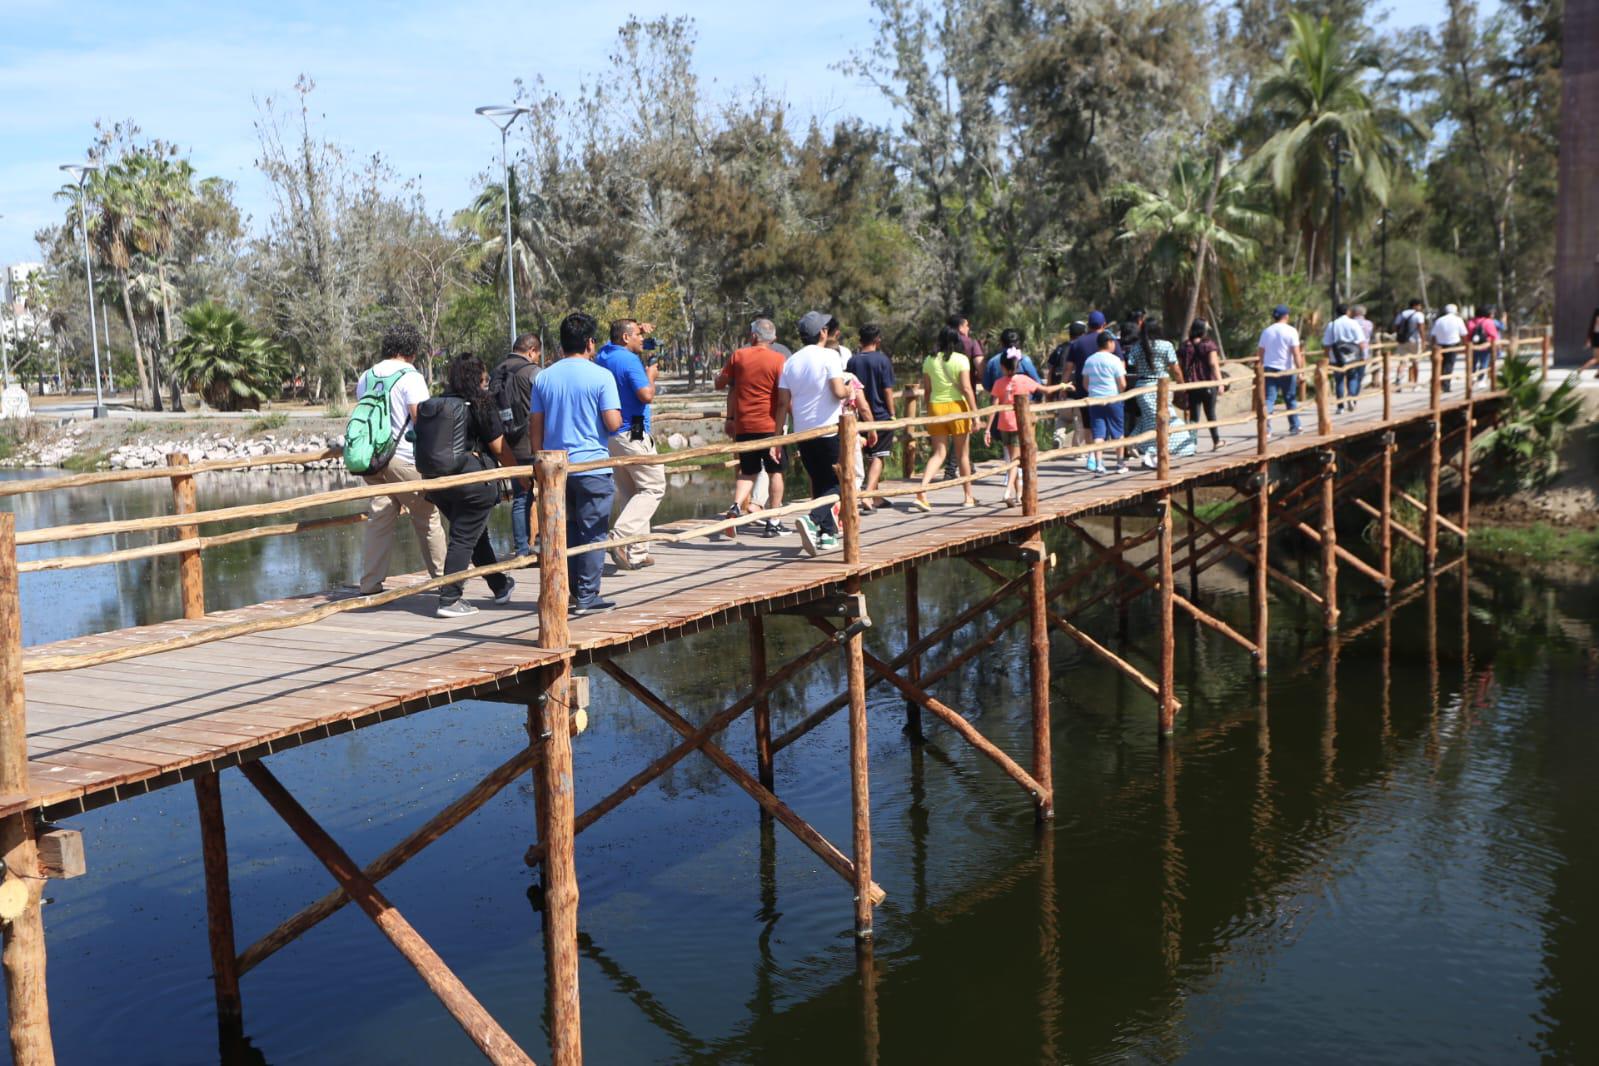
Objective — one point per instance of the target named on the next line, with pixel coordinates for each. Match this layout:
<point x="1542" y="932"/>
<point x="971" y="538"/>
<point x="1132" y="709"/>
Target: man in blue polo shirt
<point x="574" y="408"/>
<point x="639" y="489"/>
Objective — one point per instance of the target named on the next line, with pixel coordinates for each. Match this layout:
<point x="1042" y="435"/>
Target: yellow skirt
<point x="948" y="429"/>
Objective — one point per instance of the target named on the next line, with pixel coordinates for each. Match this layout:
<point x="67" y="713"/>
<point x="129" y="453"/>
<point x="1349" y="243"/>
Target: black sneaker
<point x="595" y="606"/>
<point x="775" y="528"/>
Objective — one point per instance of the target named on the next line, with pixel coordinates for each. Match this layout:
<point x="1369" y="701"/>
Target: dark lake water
<point x="1384" y="854"/>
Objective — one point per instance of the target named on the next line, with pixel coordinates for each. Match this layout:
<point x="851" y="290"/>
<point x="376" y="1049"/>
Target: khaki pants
<point x="383" y="515"/>
<point x="639" y="491"/>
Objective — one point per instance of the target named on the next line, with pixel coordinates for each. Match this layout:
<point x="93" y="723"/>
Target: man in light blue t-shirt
<point x="574" y="408"/>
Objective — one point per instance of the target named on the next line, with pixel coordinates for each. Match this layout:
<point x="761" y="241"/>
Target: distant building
<point x="17" y="277"/>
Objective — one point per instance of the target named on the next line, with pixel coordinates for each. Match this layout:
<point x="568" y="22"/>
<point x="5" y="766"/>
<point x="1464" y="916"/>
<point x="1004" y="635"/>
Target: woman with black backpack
<point x="458" y="432"/>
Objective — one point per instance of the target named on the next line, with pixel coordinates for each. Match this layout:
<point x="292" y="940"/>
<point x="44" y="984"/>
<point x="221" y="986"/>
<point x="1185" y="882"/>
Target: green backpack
<point x="369" y="437"/>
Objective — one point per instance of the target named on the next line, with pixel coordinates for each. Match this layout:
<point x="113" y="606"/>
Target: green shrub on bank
<point x="1523" y="450"/>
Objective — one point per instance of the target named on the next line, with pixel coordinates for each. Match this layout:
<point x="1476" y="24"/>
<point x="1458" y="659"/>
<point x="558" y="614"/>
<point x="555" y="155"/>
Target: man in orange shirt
<point x="750" y="377"/>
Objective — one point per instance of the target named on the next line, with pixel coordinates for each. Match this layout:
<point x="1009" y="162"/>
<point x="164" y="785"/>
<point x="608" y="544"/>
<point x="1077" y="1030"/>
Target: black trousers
<point x="820" y="459"/>
<point x="1204" y="400"/>
<point x="467" y="511"/>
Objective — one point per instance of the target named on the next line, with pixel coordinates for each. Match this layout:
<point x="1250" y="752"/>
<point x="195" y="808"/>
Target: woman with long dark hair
<point x="1149" y="358"/>
<point x="947" y="384"/>
<point x="1200" y="360"/>
<point x="457" y="432"/>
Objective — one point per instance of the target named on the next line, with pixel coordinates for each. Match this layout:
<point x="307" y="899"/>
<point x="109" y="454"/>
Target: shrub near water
<point x="1523" y="450"/>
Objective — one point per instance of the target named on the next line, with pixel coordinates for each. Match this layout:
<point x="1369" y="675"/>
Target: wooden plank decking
<point x="103" y="733"/>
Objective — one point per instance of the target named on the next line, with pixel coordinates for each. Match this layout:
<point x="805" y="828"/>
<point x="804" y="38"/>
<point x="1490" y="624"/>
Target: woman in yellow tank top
<point x="947" y="383"/>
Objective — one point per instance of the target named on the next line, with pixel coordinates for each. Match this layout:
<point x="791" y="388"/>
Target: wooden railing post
<point x="191" y="570"/>
<point x="552" y="711"/>
<point x="1257" y="587"/>
<point x="1262" y="429"/>
<point x="1323" y="408"/>
<point x="24" y="955"/>
<point x="1043" y="768"/>
<point x="860" y="788"/>
<point x="1387" y="388"/>
<point x="1162" y="429"/>
<point x="1543" y="354"/>
<point x="908" y="456"/>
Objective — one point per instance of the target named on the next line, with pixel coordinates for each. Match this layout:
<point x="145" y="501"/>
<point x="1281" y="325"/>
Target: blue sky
<point x="400" y="78"/>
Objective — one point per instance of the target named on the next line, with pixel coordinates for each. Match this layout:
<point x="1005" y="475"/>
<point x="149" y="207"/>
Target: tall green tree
<point x="1318" y="101"/>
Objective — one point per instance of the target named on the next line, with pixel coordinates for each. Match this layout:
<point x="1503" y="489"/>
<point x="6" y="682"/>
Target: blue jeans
<point x="1288" y="390"/>
<point x="1481" y="358"/>
<point x="521" y="518"/>
<point x="588" y="518"/>
<point x="1349" y="381"/>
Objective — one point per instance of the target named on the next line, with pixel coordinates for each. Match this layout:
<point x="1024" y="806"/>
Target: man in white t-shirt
<point x="1410" y="334"/>
<point x="1280" y="350"/>
<point x="812" y="387"/>
<point x="400" y="344"/>
<point x="1448" y="332"/>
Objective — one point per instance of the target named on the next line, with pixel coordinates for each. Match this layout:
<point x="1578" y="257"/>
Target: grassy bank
<point x="1540" y="542"/>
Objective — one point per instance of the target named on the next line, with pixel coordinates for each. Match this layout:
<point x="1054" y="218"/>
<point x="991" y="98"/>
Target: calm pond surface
<point x="1382" y="855"/>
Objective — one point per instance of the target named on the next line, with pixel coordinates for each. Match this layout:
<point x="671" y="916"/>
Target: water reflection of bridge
<point x="106" y="717"/>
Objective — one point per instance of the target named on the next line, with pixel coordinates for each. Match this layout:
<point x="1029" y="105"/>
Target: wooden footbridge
<point x="93" y="720"/>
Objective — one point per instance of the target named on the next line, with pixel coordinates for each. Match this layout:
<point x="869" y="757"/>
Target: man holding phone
<point x="639" y="488"/>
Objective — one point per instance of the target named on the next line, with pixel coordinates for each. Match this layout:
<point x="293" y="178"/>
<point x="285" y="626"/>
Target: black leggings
<point x="1204" y="400"/>
<point x="820" y="457"/>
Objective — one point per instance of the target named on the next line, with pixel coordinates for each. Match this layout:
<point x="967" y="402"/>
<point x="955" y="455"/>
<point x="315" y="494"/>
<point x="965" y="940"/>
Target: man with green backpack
<point x="376" y="447"/>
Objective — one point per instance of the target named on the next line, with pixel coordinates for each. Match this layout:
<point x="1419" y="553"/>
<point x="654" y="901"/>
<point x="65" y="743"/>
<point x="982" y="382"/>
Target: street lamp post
<point x="81" y="172"/>
<point x="504" y="117"/>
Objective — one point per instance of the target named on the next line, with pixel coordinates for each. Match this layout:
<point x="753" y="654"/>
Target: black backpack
<point x="509" y="388"/>
<point x="443" y="436"/>
<point x="1407" y="327"/>
<point x="1344" y="352"/>
<point x="1479" y="333"/>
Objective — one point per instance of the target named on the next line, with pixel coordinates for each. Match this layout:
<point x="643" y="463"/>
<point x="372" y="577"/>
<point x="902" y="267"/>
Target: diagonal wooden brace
<point x="1249" y="557"/>
<point x="1348" y="556"/>
<point x="779" y="810"/>
<point x="714" y="725"/>
<point x="953" y="719"/>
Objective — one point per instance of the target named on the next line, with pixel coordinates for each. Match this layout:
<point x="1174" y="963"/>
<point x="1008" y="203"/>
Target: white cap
<point x="1450" y="309"/>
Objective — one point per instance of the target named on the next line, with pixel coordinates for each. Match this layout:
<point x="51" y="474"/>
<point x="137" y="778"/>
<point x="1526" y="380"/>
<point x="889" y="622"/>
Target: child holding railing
<point x="1010" y="384"/>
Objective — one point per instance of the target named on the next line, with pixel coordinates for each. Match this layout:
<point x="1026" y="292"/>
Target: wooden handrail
<point x="108" y="477"/>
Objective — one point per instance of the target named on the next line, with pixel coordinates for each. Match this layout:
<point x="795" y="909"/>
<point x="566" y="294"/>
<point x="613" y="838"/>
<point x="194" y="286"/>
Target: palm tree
<point x="1209" y="214"/>
<point x="229" y="364"/>
<point x="1317" y="101"/>
<point x="484" y="219"/>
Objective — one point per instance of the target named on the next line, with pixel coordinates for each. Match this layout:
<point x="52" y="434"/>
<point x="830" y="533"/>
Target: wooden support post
<point x="1434" y="463"/>
<point x="1038" y="614"/>
<point x="1193" y="543"/>
<point x="1465" y="474"/>
<point x="1329" y="539"/>
<point x="1387" y="389"/>
<point x="495" y="1044"/>
<point x="763" y="707"/>
<point x="28" y="1003"/>
<point x="913" y="634"/>
<point x="1257" y="590"/>
<point x="208" y="790"/>
<point x="1543" y="356"/>
<point x="1262" y="428"/>
<point x="1163" y="429"/>
<point x="555" y="770"/>
<point x="191" y="572"/>
<point x="860" y="788"/>
<point x="219" y="905"/>
<point x="1117" y="547"/>
<point x="1385" y="520"/>
<point x="1168" y="638"/>
<point x="1323" y="407"/>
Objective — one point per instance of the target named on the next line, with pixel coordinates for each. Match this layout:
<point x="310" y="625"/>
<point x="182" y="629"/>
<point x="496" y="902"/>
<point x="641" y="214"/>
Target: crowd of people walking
<point x="595" y="401"/>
